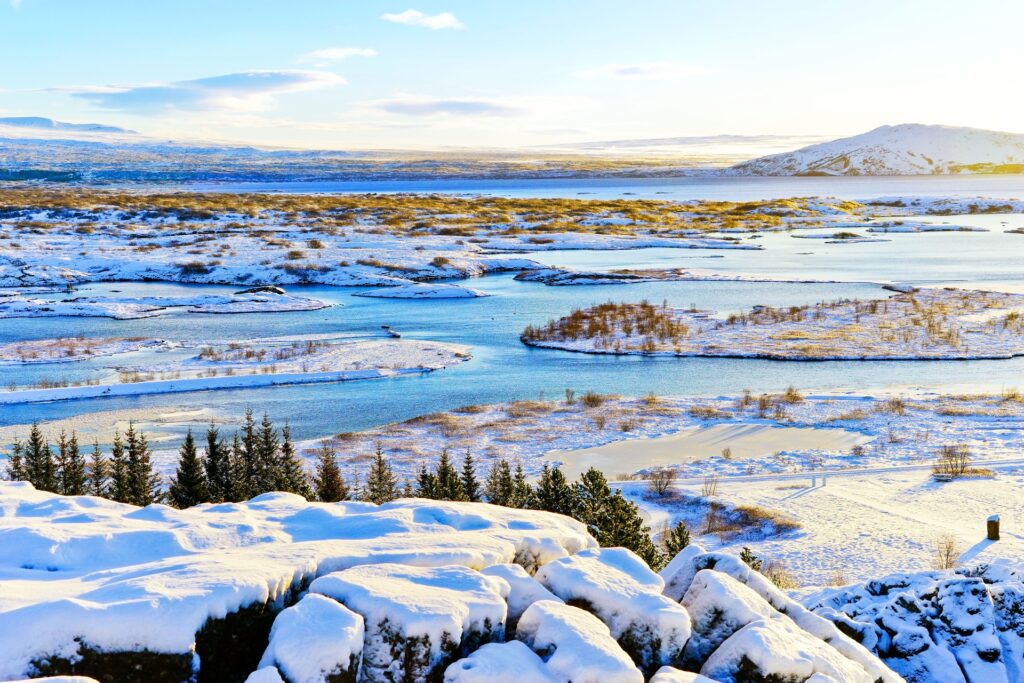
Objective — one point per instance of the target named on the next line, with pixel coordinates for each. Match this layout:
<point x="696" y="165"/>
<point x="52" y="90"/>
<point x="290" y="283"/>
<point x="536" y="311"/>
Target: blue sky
<point x="375" y="73"/>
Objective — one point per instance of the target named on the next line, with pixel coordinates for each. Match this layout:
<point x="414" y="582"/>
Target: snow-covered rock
<point x="668" y="674"/>
<point x="267" y="674"/>
<point x="418" y="619"/>
<point x="575" y="644"/>
<point x="524" y="591"/>
<point x="962" y="627"/>
<point x="621" y="590"/>
<point x="907" y="149"/>
<point x="777" y="650"/>
<point x="86" y="575"/>
<point x="719" y="606"/>
<point x="681" y="571"/>
<point x="511" y="662"/>
<point x="317" y="640"/>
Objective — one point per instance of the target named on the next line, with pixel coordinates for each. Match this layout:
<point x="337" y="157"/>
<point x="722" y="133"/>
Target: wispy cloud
<point x="648" y="71"/>
<point x="425" y="105"/>
<point x="15" y="4"/>
<point x="332" y="55"/>
<point x="414" y="17"/>
<point x="246" y="91"/>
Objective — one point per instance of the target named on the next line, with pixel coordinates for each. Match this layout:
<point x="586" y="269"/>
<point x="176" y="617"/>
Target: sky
<point x="339" y="74"/>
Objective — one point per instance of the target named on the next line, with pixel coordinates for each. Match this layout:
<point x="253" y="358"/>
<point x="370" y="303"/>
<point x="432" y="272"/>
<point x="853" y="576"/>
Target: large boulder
<point x="621" y="590"/>
<point x="668" y="674"/>
<point x="511" y="662"/>
<point x="575" y="644"/>
<point x="317" y="640"/>
<point x="719" y="606"/>
<point x="418" y="620"/>
<point x="778" y="651"/>
<point x="524" y="590"/>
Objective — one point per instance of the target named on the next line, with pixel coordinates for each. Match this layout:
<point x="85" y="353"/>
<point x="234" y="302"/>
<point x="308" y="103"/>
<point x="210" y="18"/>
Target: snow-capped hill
<point x="43" y="123"/>
<point x="907" y="149"/>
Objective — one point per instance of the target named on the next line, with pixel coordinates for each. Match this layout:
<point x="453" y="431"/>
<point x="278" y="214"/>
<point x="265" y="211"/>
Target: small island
<point x="931" y="324"/>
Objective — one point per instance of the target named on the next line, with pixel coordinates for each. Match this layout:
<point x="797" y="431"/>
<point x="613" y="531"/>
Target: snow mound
<point x="619" y="588"/>
<point x="314" y="640"/>
<point x="719" y="606"/>
<point x="267" y="674"/>
<point x="524" y="591"/>
<point x="667" y="674"/>
<point x="908" y="149"/>
<point x="424" y="614"/>
<point x="962" y="627"/>
<point x="575" y="644"/>
<point x="424" y="291"/>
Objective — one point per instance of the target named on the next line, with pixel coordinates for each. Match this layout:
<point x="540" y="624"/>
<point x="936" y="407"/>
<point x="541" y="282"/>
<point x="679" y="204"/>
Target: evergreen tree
<point x="449" y="486"/>
<point x="407" y="490"/>
<point x="218" y="467"/>
<point x="500" y="488"/>
<point x="676" y="538"/>
<point x="522" y="492"/>
<point x="70" y="466"/>
<point x="591" y="495"/>
<point x="238" y="465"/>
<point x="752" y="560"/>
<point x="143" y="482"/>
<point x="97" y="481"/>
<point x="470" y="484"/>
<point x="328" y="482"/>
<point x="268" y="472"/>
<point x="553" y="492"/>
<point x="622" y="526"/>
<point x="188" y="487"/>
<point x="247" y="459"/>
<point x="38" y="461"/>
<point x="291" y="474"/>
<point x="426" y="484"/>
<point x="120" y="487"/>
<point x="15" y="463"/>
<point x="381" y="484"/>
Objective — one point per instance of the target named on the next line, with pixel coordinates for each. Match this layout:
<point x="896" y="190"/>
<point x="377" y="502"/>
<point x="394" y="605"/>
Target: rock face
<point x="908" y="149"/>
<point x="949" y="627"/>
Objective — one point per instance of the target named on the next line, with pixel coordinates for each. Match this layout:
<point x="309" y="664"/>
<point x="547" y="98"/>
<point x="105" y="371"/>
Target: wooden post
<point x="993" y="528"/>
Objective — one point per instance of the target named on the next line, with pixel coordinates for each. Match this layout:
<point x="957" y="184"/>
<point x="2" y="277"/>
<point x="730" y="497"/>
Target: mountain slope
<point x="42" y="123"/>
<point x="907" y="149"/>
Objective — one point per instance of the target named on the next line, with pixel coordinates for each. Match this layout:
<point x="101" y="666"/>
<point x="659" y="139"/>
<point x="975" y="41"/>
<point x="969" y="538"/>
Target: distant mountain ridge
<point x="906" y="149"/>
<point x="43" y="123"/>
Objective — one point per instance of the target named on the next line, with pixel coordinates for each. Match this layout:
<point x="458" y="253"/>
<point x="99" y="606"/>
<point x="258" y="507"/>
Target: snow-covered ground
<point x="68" y="349"/>
<point x="424" y="291"/>
<point x="936" y="324"/>
<point x="262" y="363"/>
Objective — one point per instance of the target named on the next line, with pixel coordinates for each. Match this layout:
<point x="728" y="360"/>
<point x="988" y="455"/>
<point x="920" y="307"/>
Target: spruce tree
<point x="622" y="526"/>
<point x="553" y="492"/>
<point x="426" y="484"/>
<point x="449" y="486"/>
<point x="238" y="465"/>
<point x="591" y="495"/>
<point x="15" y="463"/>
<point x="248" y="458"/>
<point x="381" y="485"/>
<point x="329" y="485"/>
<point x="143" y="482"/>
<point x="38" y="461"/>
<point x="120" y="486"/>
<point x="269" y="473"/>
<point x="98" y="475"/>
<point x="676" y="538"/>
<point x="522" y="492"/>
<point x="291" y="474"/>
<point x="499" y="488"/>
<point x="188" y="487"/>
<point x="70" y="466"/>
<point x="218" y="467"/>
<point x="470" y="484"/>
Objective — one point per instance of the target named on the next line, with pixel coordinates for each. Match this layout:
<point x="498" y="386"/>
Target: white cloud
<point x="425" y="105"/>
<point x="649" y="71"/>
<point x="331" y="55"/>
<point x="246" y="91"/>
<point x="413" y="17"/>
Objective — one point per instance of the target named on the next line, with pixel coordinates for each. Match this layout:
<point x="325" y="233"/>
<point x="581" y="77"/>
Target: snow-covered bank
<point x="560" y="276"/>
<point x="69" y="349"/>
<point x="128" y="308"/>
<point x="424" y="291"/>
<point x="247" y="366"/>
<point x="931" y="324"/>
